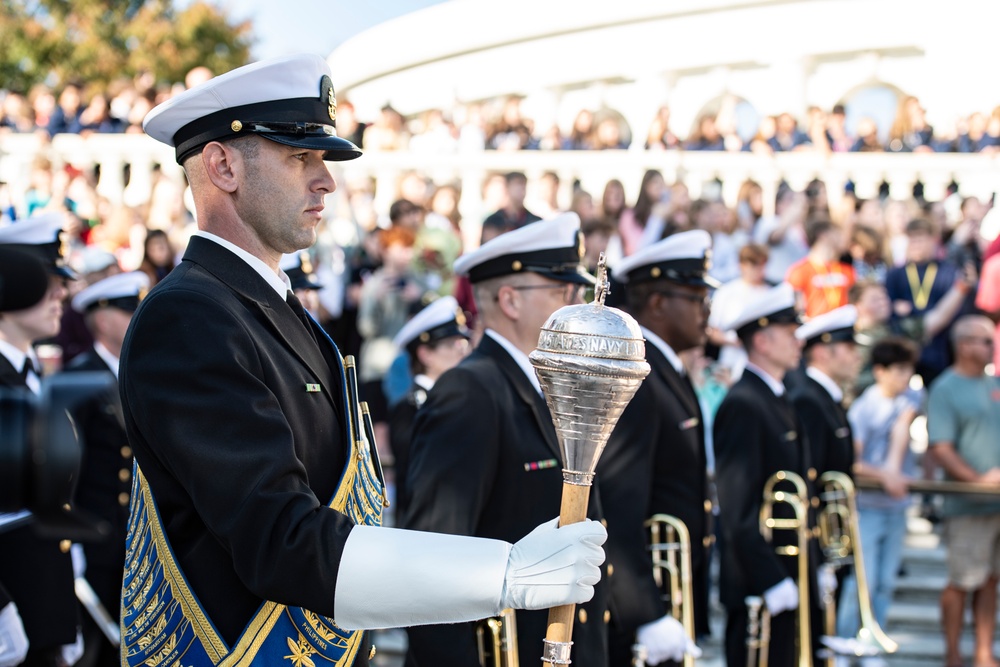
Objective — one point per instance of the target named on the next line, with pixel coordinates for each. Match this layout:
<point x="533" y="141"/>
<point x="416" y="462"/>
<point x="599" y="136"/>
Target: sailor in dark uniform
<point x="106" y="467"/>
<point x="435" y="340"/>
<point x="484" y="458"/>
<point x="654" y="462"/>
<point x="832" y="362"/>
<point x="257" y="498"/>
<point x="37" y="573"/>
<point x="757" y="434"/>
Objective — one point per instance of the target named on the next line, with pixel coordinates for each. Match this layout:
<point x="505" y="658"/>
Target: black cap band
<point x="49" y="253"/>
<point x="556" y="263"/>
<point x="126" y="303"/>
<point x="842" y="335"/>
<point x="434" y="334"/>
<point x="691" y="271"/>
<point x="786" y="316"/>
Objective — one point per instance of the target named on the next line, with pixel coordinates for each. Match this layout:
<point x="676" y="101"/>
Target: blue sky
<point x="312" y="26"/>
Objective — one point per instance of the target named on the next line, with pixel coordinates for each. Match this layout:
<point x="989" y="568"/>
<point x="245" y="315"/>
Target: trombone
<point x="759" y="618"/>
<point x="670" y="548"/>
<point x="841" y="544"/>
<point x="496" y="639"/>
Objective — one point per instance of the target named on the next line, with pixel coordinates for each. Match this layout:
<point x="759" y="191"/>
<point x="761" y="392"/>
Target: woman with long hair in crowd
<point x="157" y="256"/>
<point x="646" y="218"/>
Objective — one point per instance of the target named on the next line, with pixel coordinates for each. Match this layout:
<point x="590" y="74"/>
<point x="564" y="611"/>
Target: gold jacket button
<point x="582" y="616"/>
<point x="816" y="531"/>
<point x="708" y="505"/>
<point x="123" y="499"/>
<point x="607" y="615"/>
<point x="604" y="522"/>
<point x="124" y="474"/>
<point x="811" y="474"/>
<point x="126" y="452"/>
<point x="64" y="546"/>
<point x="707" y="540"/>
<point x="814" y="501"/>
<point x="371" y="654"/>
<point x="611" y="569"/>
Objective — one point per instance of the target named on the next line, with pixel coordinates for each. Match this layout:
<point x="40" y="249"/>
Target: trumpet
<point x="759" y="618"/>
<point x="841" y="544"/>
<point x="670" y="549"/>
<point x="496" y="639"/>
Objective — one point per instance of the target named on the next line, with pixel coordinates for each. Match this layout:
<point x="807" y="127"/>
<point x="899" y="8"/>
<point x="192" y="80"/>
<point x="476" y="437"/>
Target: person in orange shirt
<point x="820" y="278"/>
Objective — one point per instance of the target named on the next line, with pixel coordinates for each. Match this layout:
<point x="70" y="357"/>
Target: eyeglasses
<point x="571" y="291"/>
<point x="703" y="299"/>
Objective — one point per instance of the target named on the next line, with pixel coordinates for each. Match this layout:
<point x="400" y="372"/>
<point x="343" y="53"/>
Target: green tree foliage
<point x="99" y="41"/>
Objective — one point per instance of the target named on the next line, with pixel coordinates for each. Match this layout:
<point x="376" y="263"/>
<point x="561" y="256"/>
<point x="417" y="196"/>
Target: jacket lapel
<point x="9" y="376"/>
<point x="241" y="278"/>
<point x="524" y="389"/>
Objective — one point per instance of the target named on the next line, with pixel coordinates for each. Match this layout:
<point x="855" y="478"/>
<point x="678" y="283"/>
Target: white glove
<point x="13" y="641"/>
<point x="664" y="640"/>
<point x="783" y="596"/>
<point x="73" y="652"/>
<point x="826" y="578"/>
<point x="79" y="560"/>
<point x="553" y="566"/>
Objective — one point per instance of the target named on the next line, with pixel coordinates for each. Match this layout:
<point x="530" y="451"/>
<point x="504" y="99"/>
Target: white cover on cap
<point x="437" y="313"/>
<point x="280" y="78"/>
<point x="557" y="232"/>
<point x="684" y="245"/>
<point x="290" y="260"/>
<point x="838" y="318"/>
<point x="762" y="304"/>
<point x="36" y="230"/>
<point x="113" y="287"/>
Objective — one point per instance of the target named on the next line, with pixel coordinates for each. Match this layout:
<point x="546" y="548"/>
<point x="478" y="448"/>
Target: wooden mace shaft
<point x="573" y="509"/>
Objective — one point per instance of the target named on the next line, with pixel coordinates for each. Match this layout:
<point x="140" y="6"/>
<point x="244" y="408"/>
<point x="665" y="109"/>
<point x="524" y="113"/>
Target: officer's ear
<point x="219" y="162"/>
<point x="509" y="301"/>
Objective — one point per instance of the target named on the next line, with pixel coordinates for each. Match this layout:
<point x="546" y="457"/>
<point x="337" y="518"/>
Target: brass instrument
<point x="841" y="543"/>
<point x="496" y="639"/>
<point x="758" y="641"/>
<point x="758" y="631"/>
<point x="670" y="548"/>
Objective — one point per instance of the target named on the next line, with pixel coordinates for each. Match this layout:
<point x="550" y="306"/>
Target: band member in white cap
<point x="756" y="434"/>
<point x="435" y="340"/>
<point x="257" y="498"/>
<point x="485" y="459"/>
<point x="655" y="461"/>
<point x="105" y="480"/>
<point x="37" y="573"/>
<point x="832" y="363"/>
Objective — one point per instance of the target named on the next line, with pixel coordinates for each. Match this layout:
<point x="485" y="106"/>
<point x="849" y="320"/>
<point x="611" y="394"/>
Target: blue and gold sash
<point x="162" y="621"/>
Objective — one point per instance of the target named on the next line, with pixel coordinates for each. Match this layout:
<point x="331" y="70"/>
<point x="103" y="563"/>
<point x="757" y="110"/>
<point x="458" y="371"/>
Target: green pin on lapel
<point x="312" y="388"/>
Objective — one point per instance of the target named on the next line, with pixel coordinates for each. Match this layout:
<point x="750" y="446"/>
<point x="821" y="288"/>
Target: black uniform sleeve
<point x="625" y="475"/>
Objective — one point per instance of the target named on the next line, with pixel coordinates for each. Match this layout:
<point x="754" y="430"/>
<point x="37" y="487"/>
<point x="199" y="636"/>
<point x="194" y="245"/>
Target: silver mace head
<point x="590" y="361"/>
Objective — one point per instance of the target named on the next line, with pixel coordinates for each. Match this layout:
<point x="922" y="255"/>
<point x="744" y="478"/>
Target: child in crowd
<point x="880" y="419"/>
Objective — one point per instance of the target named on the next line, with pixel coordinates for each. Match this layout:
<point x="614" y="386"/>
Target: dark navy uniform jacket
<point x="654" y="463"/>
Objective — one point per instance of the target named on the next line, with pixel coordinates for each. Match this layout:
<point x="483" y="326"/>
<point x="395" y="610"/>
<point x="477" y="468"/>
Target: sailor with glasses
<point x="655" y="460"/>
<point x="484" y="458"/>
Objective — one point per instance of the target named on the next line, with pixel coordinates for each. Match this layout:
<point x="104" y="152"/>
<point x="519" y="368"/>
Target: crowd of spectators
<point x="502" y="124"/>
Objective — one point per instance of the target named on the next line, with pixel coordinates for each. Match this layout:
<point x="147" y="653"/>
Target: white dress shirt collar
<point x="520" y="357"/>
<point x="17" y="359"/>
<point x="110" y="359"/>
<point x="278" y="281"/>
<point x="775" y="385"/>
<point x="665" y="348"/>
<point x="423" y="382"/>
<point x="825" y="381"/>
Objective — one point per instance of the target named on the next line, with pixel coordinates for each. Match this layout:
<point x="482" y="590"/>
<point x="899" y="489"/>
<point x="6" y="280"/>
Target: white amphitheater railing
<point x="976" y="174"/>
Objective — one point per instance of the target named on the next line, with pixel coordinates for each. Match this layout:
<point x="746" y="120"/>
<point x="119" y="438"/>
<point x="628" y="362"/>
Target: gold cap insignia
<point x="236" y="126"/>
<point x="655" y="272"/>
<point x="459" y="317"/>
<point x="516" y="265"/>
<point x="305" y="263"/>
<point x="331" y="104"/>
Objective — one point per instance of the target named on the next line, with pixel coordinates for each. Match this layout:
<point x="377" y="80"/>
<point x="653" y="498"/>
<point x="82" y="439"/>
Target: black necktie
<point x="29" y="367"/>
<point x="296" y="306"/>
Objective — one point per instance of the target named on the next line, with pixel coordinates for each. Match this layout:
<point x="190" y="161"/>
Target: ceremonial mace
<point x="590" y="361"/>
